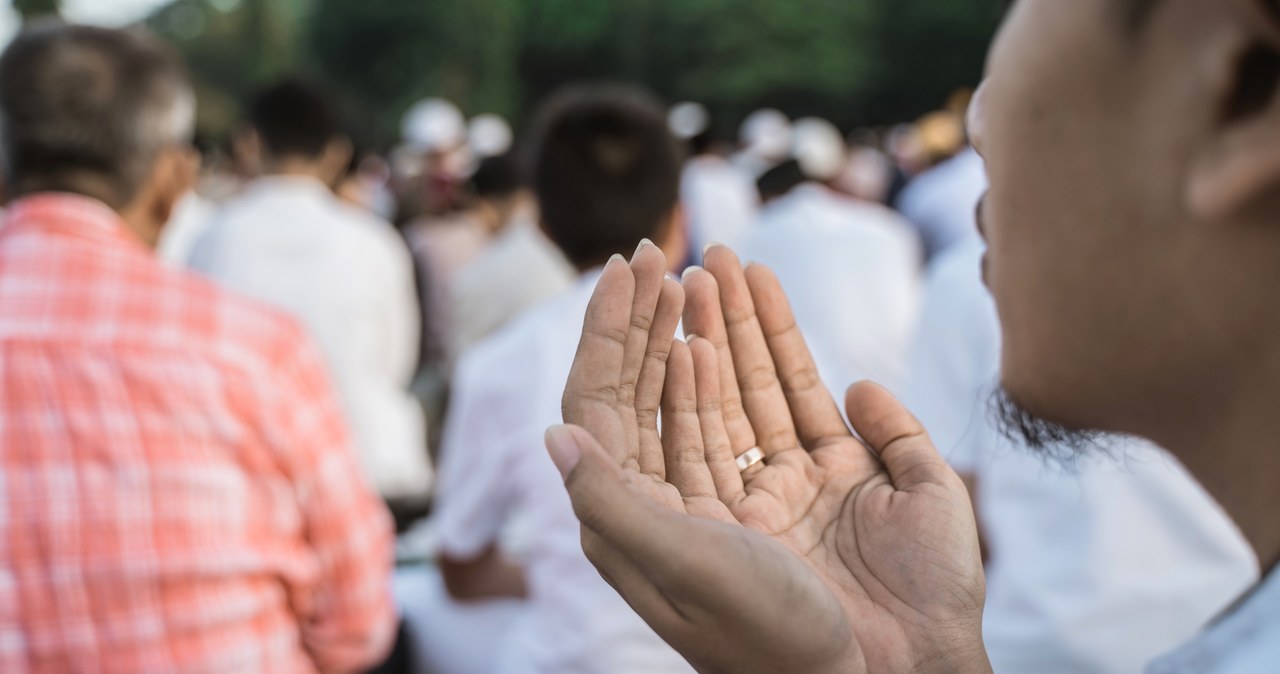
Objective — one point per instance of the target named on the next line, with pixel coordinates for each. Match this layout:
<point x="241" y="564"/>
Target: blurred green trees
<point x="31" y="9"/>
<point x="853" y="61"/>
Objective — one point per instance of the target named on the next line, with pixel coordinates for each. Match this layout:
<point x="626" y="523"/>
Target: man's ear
<point x="336" y="159"/>
<point x="1239" y="164"/>
<point x="176" y="171"/>
<point x="674" y="240"/>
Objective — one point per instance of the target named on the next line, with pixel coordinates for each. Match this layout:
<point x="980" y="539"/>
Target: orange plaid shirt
<point x="177" y="489"/>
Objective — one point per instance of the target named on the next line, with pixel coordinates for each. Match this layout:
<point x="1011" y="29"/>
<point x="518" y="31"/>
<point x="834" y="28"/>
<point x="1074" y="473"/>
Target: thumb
<point x="895" y="435"/>
<point x="610" y="506"/>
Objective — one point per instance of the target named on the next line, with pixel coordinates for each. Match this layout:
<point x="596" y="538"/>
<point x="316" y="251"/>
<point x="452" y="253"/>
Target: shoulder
<point x="231" y="328"/>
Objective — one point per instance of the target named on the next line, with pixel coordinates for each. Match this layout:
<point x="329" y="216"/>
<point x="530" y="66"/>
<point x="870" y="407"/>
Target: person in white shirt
<point x="519" y="270"/>
<point x="289" y="241"/>
<point x="1134" y="254"/>
<point x="719" y="198"/>
<point x="819" y="241"/>
<point x="1093" y="569"/>
<point x="606" y="175"/>
<point x="940" y="202"/>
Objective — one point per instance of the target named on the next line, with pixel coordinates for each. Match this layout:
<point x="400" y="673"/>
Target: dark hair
<point x="295" y="118"/>
<point x="606" y="171"/>
<point x="496" y="177"/>
<point x="86" y="110"/>
<point x="779" y="180"/>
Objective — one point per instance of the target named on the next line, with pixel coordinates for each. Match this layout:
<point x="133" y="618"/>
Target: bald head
<point x="86" y="110"/>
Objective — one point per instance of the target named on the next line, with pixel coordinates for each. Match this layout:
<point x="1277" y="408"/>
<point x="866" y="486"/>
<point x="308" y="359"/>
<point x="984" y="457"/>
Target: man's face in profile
<point x="1130" y="225"/>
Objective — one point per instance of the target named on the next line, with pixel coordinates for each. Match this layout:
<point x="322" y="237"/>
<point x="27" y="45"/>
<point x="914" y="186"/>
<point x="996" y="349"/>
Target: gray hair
<point x="87" y="110"/>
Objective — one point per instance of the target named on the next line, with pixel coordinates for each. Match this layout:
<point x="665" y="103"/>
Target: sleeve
<point x="347" y="616"/>
<point x="473" y="492"/>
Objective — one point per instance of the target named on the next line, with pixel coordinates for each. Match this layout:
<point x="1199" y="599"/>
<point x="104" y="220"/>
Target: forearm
<point x="489" y="576"/>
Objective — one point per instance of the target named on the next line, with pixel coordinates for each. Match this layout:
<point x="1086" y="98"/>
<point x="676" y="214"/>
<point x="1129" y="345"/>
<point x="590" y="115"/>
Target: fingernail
<point x="643" y="243"/>
<point x="709" y="246"/>
<point x="616" y="259"/>
<point x="689" y="270"/>
<point x="688" y="339"/>
<point x="564" y="449"/>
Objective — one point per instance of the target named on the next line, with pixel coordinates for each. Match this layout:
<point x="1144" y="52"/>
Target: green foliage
<point x="30" y="9"/>
<point x="853" y="61"/>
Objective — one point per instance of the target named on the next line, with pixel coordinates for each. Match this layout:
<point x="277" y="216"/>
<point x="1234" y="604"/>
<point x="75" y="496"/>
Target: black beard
<point x="1057" y="443"/>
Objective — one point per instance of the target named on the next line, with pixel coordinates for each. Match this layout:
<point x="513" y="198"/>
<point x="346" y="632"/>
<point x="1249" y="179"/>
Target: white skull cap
<point x="489" y="135"/>
<point x="688" y="119"/>
<point x="819" y="148"/>
<point x="766" y="133"/>
<point x="434" y="124"/>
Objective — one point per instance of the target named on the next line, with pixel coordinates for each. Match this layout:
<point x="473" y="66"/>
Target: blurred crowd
<point x="202" y="445"/>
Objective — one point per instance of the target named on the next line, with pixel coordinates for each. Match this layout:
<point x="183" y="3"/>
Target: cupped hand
<point x="833" y="554"/>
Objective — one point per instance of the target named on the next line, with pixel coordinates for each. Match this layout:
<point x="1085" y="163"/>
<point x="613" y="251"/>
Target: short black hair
<point x="781" y="179"/>
<point x="606" y="170"/>
<point x="86" y="109"/>
<point x="496" y="177"/>
<point x="295" y="118"/>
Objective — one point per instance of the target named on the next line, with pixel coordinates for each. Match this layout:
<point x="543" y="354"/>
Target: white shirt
<point x="852" y="272"/>
<point x="495" y="475"/>
<point x="520" y="269"/>
<point x="1096" y="570"/>
<point x="349" y="278"/>
<point x="720" y="202"/>
<point x="1244" y="641"/>
<point x="941" y="202"/>
<point x="188" y="223"/>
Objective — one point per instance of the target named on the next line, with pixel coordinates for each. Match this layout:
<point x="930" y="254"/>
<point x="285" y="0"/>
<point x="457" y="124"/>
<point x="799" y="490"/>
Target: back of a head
<point x="496" y="178"/>
<point x="606" y="171"/>
<point x="86" y="110"/>
<point x="778" y="181"/>
<point x="295" y="118"/>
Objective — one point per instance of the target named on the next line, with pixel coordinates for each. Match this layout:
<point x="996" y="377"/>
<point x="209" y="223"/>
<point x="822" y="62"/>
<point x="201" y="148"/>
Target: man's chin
<point x="1023" y="423"/>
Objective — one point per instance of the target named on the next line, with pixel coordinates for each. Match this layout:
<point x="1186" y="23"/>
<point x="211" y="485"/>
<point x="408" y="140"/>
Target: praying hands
<point x="754" y="531"/>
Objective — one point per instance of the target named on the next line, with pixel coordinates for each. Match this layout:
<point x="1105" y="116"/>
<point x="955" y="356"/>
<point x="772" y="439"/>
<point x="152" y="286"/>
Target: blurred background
<point x="858" y="64"/>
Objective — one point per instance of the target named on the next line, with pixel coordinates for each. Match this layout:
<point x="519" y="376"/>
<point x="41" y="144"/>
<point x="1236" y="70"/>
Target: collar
<point x="1253" y="624"/>
<point x="297" y="186"/>
<point x="69" y="214"/>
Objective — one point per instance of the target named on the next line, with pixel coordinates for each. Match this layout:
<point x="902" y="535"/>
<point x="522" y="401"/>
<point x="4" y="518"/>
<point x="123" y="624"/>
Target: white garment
<point x="1244" y="641"/>
<point x="852" y="272"/>
<point x="495" y="471"/>
<point x="520" y="269"/>
<point x="941" y="202"/>
<point x="449" y="636"/>
<point x="349" y="278"/>
<point x="188" y="223"/>
<point x="720" y="202"/>
<point x="1092" y="570"/>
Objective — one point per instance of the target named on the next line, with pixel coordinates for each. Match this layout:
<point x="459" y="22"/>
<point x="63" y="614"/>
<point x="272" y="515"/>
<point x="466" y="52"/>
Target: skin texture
<point x="1134" y="254"/>
<point x="873" y="544"/>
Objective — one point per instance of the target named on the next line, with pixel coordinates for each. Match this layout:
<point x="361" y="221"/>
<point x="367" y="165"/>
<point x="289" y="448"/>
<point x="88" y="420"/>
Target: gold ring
<point x="750" y="458"/>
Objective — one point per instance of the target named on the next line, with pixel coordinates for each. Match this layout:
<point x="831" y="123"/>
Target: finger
<point x="649" y="388"/>
<point x="591" y="394"/>
<point x="703" y="317"/>
<point x="895" y="435"/>
<point x="762" y="396"/>
<point x="648" y="266"/>
<point x="813" y="411"/>
<point x="681" y="433"/>
<point x="716" y="446"/>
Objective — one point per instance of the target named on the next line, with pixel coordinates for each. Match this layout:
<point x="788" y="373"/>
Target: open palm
<point x="825" y="556"/>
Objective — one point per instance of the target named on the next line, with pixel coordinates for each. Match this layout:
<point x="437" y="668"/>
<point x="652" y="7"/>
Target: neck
<point x="1233" y="450"/>
<point x="291" y="167"/>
